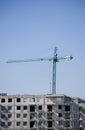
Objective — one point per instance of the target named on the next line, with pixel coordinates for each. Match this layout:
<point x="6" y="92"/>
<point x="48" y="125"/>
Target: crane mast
<point x="54" y="72"/>
<point x="55" y="59"/>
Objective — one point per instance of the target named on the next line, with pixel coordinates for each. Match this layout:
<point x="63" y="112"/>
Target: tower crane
<point x="55" y="59"/>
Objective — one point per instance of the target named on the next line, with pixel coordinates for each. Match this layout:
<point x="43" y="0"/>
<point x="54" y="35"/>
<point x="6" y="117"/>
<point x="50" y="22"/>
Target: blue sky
<point x="31" y="29"/>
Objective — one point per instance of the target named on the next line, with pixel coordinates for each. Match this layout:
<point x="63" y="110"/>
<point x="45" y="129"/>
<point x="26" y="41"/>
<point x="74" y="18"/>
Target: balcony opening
<point x="18" y="115"/>
<point x="18" y="123"/>
<point x="18" y="107"/>
<point x="24" y="123"/>
<point x="24" y="115"/>
<point x="9" y="115"/>
<point x="10" y="100"/>
<point x="40" y="123"/>
<point x="2" y="116"/>
<point x="3" y="124"/>
<point x="32" y="116"/>
<point x="67" y="108"/>
<point x="49" y="115"/>
<point x="49" y="123"/>
<point x="40" y="107"/>
<point x="40" y="115"/>
<point x="60" y="114"/>
<point x="49" y="108"/>
<point x="24" y="107"/>
<point x="32" y="108"/>
<point x="32" y="124"/>
<point x="18" y="99"/>
<point x="67" y="124"/>
<point x="3" y="108"/>
<point x="59" y="107"/>
<point x="9" y="123"/>
<point x="9" y="108"/>
<point x="3" y="100"/>
<point x="67" y="115"/>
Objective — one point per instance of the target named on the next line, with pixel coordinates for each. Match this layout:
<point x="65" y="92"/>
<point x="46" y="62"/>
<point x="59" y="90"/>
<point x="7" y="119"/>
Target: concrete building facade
<point x="81" y="105"/>
<point x="39" y="112"/>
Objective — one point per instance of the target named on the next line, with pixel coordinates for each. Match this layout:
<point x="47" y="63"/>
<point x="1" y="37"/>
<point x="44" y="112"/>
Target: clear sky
<point x="31" y="29"/>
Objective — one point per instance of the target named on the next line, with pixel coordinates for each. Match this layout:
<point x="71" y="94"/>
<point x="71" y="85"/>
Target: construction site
<point x="42" y="112"/>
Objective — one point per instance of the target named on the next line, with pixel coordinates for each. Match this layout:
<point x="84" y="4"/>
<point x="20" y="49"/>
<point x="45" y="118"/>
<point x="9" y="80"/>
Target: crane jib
<point x="55" y="59"/>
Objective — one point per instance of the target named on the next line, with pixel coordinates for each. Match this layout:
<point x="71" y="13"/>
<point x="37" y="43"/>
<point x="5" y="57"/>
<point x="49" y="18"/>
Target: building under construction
<point x="41" y="112"/>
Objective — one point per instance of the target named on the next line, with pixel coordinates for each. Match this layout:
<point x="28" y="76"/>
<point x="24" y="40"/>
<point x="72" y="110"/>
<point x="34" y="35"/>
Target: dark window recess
<point x="32" y="116"/>
<point x="49" y="108"/>
<point x="18" y="123"/>
<point x="33" y="99"/>
<point x="67" y="108"/>
<point x="40" y="107"/>
<point x="60" y="114"/>
<point x="67" y="124"/>
<point x="18" y="107"/>
<point x="60" y="123"/>
<point x="3" y="100"/>
<point x="49" y="115"/>
<point x="32" y="108"/>
<point x="59" y="107"/>
<point x="24" y="123"/>
<point x="9" y="115"/>
<point x="24" y="115"/>
<point x="2" y="115"/>
<point x="67" y="115"/>
<point x="3" y="108"/>
<point x="9" y="107"/>
<point x="18" y="115"/>
<point x="40" y="115"/>
<point x="3" y="124"/>
<point x="9" y="123"/>
<point x="18" y="99"/>
<point x="9" y="99"/>
<point x="24" y="107"/>
<point x="40" y="123"/>
<point x="32" y="123"/>
<point x="49" y="123"/>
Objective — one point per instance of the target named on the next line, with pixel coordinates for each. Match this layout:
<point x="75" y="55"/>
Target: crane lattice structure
<point x="55" y="59"/>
